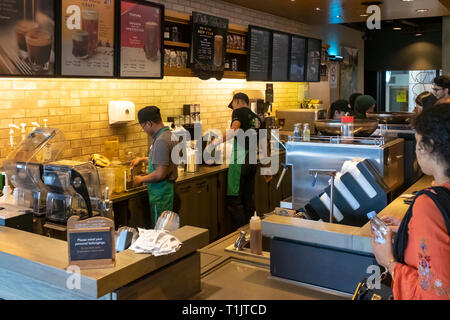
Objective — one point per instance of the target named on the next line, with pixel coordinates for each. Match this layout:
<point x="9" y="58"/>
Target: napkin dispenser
<point x="121" y="112"/>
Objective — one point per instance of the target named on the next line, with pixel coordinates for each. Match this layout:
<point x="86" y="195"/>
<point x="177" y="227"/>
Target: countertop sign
<point x="209" y="43"/>
<point x="259" y="54"/>
<point x="91" y="242"/>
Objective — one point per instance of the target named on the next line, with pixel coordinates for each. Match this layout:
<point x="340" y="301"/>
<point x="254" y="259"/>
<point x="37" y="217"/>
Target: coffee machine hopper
<point x="25" y="166"/>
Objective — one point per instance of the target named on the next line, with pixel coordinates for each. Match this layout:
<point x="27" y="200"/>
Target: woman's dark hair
<point x="433" y="125"/>
<point x="426" y="99"/>
<point x="339" y="106"/>
<point x="352" y="100"/>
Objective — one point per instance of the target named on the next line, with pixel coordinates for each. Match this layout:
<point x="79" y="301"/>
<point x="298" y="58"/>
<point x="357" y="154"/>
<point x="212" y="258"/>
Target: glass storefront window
<point x="402" y="88"/>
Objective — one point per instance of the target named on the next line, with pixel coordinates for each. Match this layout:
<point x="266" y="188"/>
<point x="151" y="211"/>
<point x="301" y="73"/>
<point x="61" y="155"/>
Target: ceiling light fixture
<point x="317" y="9"/>
<point x="407" y="0"/>
<point x="338" y="16"/>
<point x="363" y="15"/>
<point x="421" y="10"/>
<point x="397" y="28"/>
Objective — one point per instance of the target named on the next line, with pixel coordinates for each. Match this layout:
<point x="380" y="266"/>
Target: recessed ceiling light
<point x="421" y="10"/>
<point x="397" y="28"/>
<point x="317" y="9"/>
<point x="419" y="34"/>
<point x="364" y="15"/>
<point x="407" y="0"/>
<point x="338" y="16"/>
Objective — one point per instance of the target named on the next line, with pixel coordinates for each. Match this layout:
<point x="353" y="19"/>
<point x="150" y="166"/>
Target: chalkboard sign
<point x="298" y="59"/>
<point x="314" y="53"/>
<point x="209" y="43"/>
<point x="91" y="242"/>
<point x="280" y="56"/>
<point x="258" y="66"/>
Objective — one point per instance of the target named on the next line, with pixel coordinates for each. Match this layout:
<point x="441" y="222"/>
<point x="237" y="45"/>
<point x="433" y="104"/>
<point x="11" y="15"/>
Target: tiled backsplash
<point x="79" y="107"/>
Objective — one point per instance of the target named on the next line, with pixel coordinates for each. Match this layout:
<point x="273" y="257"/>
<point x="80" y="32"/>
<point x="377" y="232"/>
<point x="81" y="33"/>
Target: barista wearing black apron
<point x="162" y="172"/>
<point x="241" y="174"/>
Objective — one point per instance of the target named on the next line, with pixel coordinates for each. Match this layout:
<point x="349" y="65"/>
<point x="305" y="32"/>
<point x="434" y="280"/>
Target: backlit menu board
<point x="27" y="37"/>
<point x="87" y="38"/>
<point x="298" y="59"/>
<point x="314" y="51"/>
<point x="280" y="56"/>
<point x="141" y="39"/>
<point x="259" y="54"/>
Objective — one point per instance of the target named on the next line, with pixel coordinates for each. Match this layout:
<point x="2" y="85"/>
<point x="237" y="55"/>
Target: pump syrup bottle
<point x="255" y="235"/>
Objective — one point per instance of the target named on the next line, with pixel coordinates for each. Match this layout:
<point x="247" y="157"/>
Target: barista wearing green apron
<point x="162" y="172"/>
<point x="241" y="173"/>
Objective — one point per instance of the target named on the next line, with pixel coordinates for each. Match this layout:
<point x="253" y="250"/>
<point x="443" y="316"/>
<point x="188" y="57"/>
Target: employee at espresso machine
<point x="162" y="172"/>
<point x="364" y="104"/>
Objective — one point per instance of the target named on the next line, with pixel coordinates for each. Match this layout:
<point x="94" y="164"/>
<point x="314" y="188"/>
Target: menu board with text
<point x="141" y="41"/>
<point x="280" y="56"/>
<point x="258" y="66"/>
<point x="209" y="43"/>
<point x="87" y="38"/>
<point x="313" y="58"/>
<point x="298" y="59"/>
<point x="27" y="37"/>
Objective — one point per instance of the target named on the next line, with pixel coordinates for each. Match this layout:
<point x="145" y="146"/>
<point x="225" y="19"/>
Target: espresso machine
<point x="25" y="165"/>
<point x="73" y="189"/>
<point x="50" y="186"/>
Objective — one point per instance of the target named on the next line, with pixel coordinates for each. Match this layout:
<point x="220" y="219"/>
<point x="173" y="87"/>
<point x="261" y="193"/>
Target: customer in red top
<point x="419" y="261"/>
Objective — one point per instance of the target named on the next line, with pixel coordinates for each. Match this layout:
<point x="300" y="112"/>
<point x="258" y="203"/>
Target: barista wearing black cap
<point x="241" y="174"/>
<point x="162" y="172"/>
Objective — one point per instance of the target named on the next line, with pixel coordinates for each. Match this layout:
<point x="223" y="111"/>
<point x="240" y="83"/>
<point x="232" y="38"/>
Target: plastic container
<point x="298" y="130"/>
<point x="379" y="228"/>
<point x="255" y="235"/>
<point x="107" y="178"/>
<point x="347" y="126"/>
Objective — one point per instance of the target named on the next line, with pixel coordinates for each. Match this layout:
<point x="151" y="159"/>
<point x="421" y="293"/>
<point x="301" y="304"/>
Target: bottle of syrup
<point x="255" y="235"/>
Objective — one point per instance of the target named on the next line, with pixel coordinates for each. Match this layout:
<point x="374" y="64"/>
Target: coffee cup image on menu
<point x="80" y="42"/>
<point x="39" y="47"/>
<point x="89" y="18"/>
<point x="22" y="28"/>
<point x="218" y="50"/>
<point x="151" y="40"/>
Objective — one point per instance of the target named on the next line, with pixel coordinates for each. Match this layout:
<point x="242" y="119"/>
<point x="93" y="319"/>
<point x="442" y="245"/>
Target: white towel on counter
<point x="155" y="242"/>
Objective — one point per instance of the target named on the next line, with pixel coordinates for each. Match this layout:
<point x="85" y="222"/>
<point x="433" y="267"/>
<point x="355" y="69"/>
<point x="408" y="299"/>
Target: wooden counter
<point x="203" y="171"/>
<point x="33" y="267"/>
<point x="335" y="235"/>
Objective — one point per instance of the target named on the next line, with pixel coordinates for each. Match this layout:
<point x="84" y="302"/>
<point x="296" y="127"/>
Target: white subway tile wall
<point x="79" y="107"/>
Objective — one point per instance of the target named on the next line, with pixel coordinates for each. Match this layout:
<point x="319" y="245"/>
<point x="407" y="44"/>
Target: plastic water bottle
<point x="306" y="132"/>
<point x="379" y="228"/>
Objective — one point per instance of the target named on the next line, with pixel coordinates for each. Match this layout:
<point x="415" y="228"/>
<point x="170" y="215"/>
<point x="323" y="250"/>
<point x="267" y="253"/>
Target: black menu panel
<point x="313" y="60"/>
<point x="280" y="56"/>
<point x="298" y="59"/>
<point x="259" y="54"/>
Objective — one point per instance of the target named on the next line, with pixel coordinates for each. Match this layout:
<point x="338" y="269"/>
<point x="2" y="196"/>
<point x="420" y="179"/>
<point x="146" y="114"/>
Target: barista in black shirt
<point x="241" y="173"/>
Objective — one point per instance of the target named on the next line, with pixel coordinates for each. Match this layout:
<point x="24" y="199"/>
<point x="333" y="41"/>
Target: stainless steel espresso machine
<point x="53" y="187"/>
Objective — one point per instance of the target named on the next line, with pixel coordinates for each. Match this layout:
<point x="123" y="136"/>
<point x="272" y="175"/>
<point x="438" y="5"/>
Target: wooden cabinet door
<point x="188" y="210"/>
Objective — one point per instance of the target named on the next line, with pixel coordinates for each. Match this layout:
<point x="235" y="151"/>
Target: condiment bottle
<point x="306" y="132"/>
<point x="255" y="235"/>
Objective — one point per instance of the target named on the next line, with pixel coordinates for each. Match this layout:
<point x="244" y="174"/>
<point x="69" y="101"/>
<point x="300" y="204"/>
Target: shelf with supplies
<point x="177" y="44"/>
<point x="240" y="52"/>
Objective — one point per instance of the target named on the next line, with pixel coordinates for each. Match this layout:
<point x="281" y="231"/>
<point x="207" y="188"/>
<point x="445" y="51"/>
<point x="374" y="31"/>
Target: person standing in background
<point x="441" y="87"/>
<point x="424" y="101"/>
<point x="352" y="100"/>
<point x="338" y="109"/>
<point x="364" y="104"/>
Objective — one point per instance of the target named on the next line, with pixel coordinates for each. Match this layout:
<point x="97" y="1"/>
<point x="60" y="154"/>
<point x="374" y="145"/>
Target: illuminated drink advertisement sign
<point x="87" y="38"/>
<point x="27" y="37"/>
<point x="141" y="44"/>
